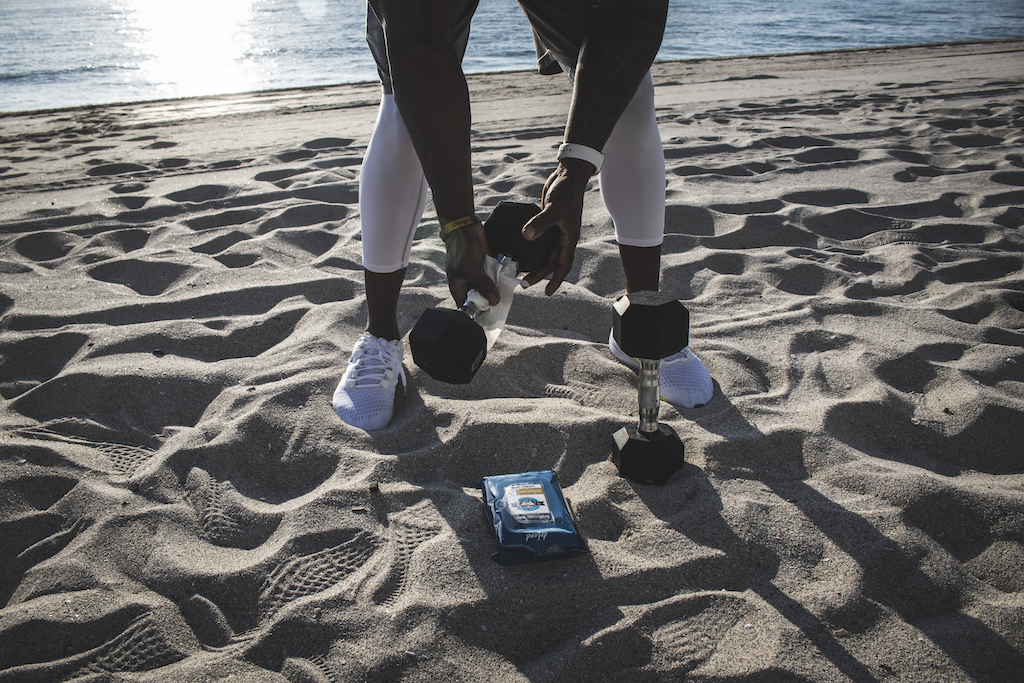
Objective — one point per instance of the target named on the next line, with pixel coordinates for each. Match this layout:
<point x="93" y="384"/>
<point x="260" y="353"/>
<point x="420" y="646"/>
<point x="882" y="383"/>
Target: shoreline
<point x="515" y="72"/>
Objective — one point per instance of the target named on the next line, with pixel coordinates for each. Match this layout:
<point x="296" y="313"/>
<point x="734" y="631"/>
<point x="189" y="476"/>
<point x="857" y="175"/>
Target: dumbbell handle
<point x="649" y="395"/>
<point x="470" y="309"/>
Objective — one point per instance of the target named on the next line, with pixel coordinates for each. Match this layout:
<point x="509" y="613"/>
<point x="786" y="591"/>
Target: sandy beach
<point x="181" y="286"/>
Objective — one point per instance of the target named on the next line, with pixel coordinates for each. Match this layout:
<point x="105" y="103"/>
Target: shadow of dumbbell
<point x="449" y="345"/>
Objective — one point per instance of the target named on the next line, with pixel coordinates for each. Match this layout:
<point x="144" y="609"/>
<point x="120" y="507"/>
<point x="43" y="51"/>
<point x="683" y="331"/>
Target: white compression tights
<point x="393" y="191"/>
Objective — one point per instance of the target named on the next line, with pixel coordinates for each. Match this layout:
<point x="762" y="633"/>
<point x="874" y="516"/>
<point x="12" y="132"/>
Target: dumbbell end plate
<point x="504" y="235"/>
<point x="647" y="457"/>
<point x="650" y="325"/>
<point x="448" y="345"/>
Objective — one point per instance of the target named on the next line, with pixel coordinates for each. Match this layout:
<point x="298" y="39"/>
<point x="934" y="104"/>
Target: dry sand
<point x="181" y="287"/>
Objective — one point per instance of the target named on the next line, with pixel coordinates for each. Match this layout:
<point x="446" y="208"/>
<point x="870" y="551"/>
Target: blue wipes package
<point x="530" y="518"/>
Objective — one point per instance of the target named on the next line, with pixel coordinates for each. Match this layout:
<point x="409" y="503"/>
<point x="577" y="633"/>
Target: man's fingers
<point x="545" y="270"/>
<point x="561" y="260"/>
<point x="460" y="288"/>
<point x="558" y="267"/>
<point x="537" y="226"/>
<point x="488" y="290"/>
<point x="566" y="256"/>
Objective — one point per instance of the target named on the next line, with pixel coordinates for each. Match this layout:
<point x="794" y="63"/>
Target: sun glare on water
<point x="193" y="47"/>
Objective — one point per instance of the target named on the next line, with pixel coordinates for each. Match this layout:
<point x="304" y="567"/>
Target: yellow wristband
<point x="449" y="228"/>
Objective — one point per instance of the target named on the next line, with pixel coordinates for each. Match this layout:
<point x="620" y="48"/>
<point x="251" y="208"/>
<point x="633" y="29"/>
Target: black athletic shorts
<point x="559" y="27"/>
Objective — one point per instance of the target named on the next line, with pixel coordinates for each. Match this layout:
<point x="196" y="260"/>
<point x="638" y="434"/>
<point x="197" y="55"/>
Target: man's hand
<point x="467" y="248"/>
<point x="616" y="55"/>
<point x="561" y="210"/>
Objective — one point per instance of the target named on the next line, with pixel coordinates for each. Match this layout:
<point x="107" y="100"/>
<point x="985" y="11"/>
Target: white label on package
<point x="527" y="502"/>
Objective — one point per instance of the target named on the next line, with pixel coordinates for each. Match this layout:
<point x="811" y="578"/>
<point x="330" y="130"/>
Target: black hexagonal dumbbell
<point x="505" y="235"/>
<point x="649" y="326"/>
<point x="448" y="344"/>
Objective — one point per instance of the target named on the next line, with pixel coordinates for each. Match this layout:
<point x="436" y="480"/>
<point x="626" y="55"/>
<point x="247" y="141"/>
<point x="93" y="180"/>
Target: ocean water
<point x="61" y="53"/>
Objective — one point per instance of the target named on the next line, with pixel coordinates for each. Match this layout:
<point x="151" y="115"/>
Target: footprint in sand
<point x="46" y="246"/>
<point x="827" y="155"/>
<point x="748" y="169"/>
<point x="1003" y="199"/>
<point x="49" y="546"/>
<point x="974" y="140"/>
<point x="207" y="621"/>
<point x="225" y="516"/>
<point x="743" y="374"/>
<point x="853" y="261"/>
<point x="305" y="575"/>
<point x="130" y="203"/>
<point x="851" y="224"/>
<point x="1015" y="178"/>
<point x="174" y="162"/>
<point x="409" y="531"/>
<point x="971" y="527"/>
<point x="971" y="442"/>
<point x="314" y="669"/>
<point x="140" y="647"/>
<point x="116" y="169"/>
<point x="910" y="157"/>
<point x="281" y="174"/>
<point x="798" y="142"/>
<point x="828" y="198"/>
<point x="29" y="362"/>
<point x="123" y="241"/>
<point x="220" y="243"/>
<point x="229" y="163"/>
<point x="304" y="216"/>
<point x="127" y="188"/>
<point x="913" y="372"/>
<point x="202" y="193"/>
<point x="979" y="270"/>
<point x="237" y="260"/>
<point x="952" y="124"/>
<point x="315" y="242"/>
<point x="328" y="143"/>
<point x="32" y="532"/>
<point x="601" y="519"/>
<point x="297" y="155"/>
<point x="689" y="220"/>
<point x="676" y="637"/>
<point x="91" y="445"/>
<point x="148" y="278"/>
<point x="225" y="219"/>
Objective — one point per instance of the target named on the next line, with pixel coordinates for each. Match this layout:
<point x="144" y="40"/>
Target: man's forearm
<point x="436" y="113"/>
<point x="620" y="47"/>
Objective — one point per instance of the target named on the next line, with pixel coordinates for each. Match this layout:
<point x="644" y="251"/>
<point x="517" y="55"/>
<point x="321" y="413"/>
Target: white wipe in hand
<point x="492" y="318"/>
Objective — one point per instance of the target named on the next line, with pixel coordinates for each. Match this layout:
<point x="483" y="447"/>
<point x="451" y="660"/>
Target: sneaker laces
<point x="376" y="362"/>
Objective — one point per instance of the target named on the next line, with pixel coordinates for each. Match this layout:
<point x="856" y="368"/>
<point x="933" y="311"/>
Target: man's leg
<point x="633" y="188"/>
<point x="382" y="292"/>
<point x="641" y="266"/>
<point x="392" y="196"/>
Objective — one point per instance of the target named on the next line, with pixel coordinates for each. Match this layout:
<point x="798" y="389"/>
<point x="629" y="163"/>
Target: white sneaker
<point x="365" y="397"/>
<point x="684" y="381"/>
